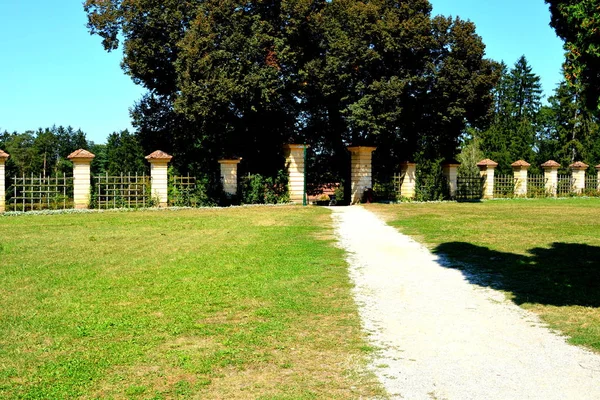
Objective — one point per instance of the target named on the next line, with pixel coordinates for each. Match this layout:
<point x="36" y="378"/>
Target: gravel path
<point x="444" y="338"/>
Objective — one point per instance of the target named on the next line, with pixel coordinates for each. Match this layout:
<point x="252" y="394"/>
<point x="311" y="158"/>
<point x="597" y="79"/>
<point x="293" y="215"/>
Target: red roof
<point x="487" y="163"/>
<point x="4" y="155"/>
<point x="550" y="163"/>
<point x="579" y="165"/>
<point x="81" y="153"/>
<point x="520" y="163"/>
<point x="159" y="155"/>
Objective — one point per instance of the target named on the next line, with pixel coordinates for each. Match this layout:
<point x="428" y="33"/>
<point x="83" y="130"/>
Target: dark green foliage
<point x="517" y="102"/>
<point x="430" y="185"/>
<point x="124" y="155"/>
<point x="239" y="78"/>
<point x="570" y="132"/>
<point x="577" y="22"/>
<point x="43" y="152"/>
<point x="258" y="189"/>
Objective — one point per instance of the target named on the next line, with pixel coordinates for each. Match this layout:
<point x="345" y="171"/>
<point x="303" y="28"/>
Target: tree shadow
<point x="564" y="274"/>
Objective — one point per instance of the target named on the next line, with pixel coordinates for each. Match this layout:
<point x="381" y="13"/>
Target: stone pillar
<point x="451" y="173"/>
<point x="82" y="186"/>
<point x="551" y="176"/>
<point x="159" y="166"/>
<point x="294" y="154"/>
<point x="229" y="175"/>
<point x="360" y="167"/>
<point x="520" y="172"/>
<point x="409" y="171"/>
<point x="486" y="168"/>
<point x="598" y="178"/>
<point x="3" y="157"/>
<point x="578" y="169"/>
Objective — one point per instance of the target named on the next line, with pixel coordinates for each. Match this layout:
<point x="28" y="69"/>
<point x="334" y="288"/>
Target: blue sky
<point x="53" y="72"/>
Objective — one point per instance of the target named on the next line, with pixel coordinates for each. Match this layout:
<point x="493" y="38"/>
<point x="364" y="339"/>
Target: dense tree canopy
<point x="517" y="103"/>
<point x="231" y="77"/>
<point x="577" y="22"/>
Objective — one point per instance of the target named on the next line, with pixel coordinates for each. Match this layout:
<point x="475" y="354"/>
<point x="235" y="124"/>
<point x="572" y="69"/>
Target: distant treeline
<point x="45" y="151"/>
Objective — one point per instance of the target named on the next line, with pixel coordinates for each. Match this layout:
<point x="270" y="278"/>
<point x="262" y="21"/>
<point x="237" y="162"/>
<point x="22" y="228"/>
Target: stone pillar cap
<point x="579" y="165"/>
<point x="359" y="148"/>
<point x="520" y="163"/>
<point x="81" y="154"/>
<point x="159" y="156"/>
<point x="487" y="163"/>
<point x="235" y="160"/>
<point x="4" y="155"/>
<point x="407" y="163"/>
<point x="550" y="164"/>
<point x="598" y="167"/>
<point x="296" y="146"/>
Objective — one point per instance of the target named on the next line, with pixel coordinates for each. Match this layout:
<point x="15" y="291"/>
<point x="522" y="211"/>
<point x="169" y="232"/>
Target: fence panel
<point x="504" y="186"/>
<point x="31" y="193"/>
<point x="123" y="191"/>
<point x="469" y="187"/>
<point x="536" y="186"/>
<point x="592" y="187"/>
<point x="566" y="185"/>
<point x="182" y="191"/>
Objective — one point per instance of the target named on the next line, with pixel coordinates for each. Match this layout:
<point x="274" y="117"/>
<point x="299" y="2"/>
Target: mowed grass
<point x="232" y="303"/>
<point x="544" y="253"/>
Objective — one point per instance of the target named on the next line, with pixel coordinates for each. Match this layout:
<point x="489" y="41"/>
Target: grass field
<point x="236" y="303"/>
<point x="544" y="253"/>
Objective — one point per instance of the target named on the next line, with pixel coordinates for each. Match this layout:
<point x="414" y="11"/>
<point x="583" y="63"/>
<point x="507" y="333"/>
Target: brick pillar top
<point x="361" y="148"/>
<point x="550" y="165"/>
<point x="3" y="155"/>
<point x="520" y="165"/>
<point x="578" y="166"/>
<point x="487" y="163"/>
<point x="598" y="167"/>
<point x="295" y="146"/>
<point x="159" y="156"/>
<point x="230" y="160"/>
<point x="81" y="155"/>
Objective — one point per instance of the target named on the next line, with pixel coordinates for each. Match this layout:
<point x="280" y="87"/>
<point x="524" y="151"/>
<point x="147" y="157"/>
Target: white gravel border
<point x="440" y="337"/>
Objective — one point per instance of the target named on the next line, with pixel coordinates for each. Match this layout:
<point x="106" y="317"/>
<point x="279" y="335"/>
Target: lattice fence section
<point x="566" y="185"/>
<point x="182" y="191"/>
<point x="32" y="193"/>
<point x="122" y="191"/>
<point x="592" y="187"/>
<point x="504" y="186"/>
<point x="469" y="187"/>
<point x="397" y="181"/>
<point x="536" y="186"/>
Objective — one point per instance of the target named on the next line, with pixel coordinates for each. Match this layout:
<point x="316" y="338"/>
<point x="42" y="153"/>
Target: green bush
<point x="257" y="189"/>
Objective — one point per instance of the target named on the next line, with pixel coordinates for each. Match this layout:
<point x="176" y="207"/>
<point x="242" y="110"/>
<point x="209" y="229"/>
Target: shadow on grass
<point x="564" y="274"/>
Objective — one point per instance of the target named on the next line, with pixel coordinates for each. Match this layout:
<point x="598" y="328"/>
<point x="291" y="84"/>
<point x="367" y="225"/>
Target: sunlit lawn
<point x="234" y="303"/>
<point x="544" y="253"/>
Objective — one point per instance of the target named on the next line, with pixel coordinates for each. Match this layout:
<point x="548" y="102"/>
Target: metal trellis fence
<point x="536" y="186"/>
<point x="469" y="187"/>
<point x="121" y="191"/>
<point x="504" y="186"/>
<point x="32" y="193"/>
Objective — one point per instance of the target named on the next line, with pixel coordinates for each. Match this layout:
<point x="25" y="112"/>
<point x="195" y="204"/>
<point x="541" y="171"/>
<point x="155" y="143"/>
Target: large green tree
<point x="577" y="22"/>
<point x="517" y="104"/>
<point x="570" y="132"/>
<point x="231" y="77"/>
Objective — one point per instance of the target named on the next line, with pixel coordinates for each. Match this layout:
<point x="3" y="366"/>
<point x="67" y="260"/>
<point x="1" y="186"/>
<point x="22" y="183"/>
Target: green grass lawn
<point x="544" y="253"/>
<point x="235" y="303"/>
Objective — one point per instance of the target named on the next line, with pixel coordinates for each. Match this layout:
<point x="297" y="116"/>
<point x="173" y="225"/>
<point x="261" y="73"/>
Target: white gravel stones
<point x="441" y="337"/>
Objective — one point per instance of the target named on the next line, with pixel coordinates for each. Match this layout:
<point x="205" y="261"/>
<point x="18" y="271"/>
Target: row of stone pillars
<point x="82" y="160"/>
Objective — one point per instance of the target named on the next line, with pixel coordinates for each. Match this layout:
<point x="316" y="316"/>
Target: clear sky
<point x="52" y="72"/>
